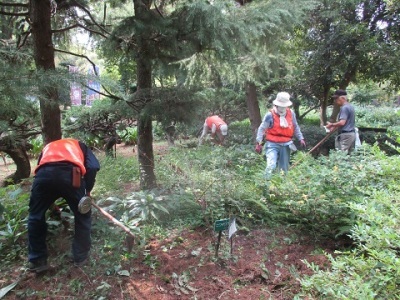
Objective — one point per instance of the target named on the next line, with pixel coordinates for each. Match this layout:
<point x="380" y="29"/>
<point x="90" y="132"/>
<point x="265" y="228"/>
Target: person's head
<point x="340" y="97"/>
<point x="282" y="101"/>
<point x="224" y="129"/>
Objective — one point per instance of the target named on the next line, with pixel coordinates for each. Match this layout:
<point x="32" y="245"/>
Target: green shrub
<point x="129" y="135"/>
<point x="239" y="133"/>
<point x="221" y="181"/>
<point x="377" y="117"/>
<point x="372" y="270"/>
<point x="316" y="193"/>
<point x="37" y="146"/>
<point x="13" y="218"/>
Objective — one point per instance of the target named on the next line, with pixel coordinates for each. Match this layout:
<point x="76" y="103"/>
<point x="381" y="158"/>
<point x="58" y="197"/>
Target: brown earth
<point x="266" y="264"/>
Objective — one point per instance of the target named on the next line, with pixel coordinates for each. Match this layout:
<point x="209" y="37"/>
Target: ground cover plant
<point x="328" y="229"/>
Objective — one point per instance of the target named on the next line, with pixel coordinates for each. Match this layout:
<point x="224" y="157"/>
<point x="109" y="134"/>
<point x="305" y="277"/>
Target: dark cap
<point x="339" y="93"/>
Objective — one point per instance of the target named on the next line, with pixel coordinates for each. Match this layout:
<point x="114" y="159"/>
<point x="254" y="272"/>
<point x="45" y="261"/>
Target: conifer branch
<point x="159" y="12"/>
<point x="109" y="94"/>
<point x="23" y="5"/>
<point x="5" y="13"/>
<point x="78" y="25"/>
<point x="91" y="18"/>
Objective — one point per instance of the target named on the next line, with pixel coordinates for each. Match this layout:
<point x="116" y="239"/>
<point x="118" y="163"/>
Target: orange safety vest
<point x="276" y="133"/>
<point x="215" y="120"/>
<point x="65" y="150"/>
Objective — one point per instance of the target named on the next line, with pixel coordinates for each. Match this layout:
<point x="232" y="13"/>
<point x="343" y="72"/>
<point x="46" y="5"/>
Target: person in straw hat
<point x="279" y="125"/>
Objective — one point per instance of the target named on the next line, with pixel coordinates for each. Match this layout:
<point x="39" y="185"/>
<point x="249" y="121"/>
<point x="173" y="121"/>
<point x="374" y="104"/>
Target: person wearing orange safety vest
<point x="279" y="125"/>
<point x="66" y="169"/>
<point x="217" y="127"/>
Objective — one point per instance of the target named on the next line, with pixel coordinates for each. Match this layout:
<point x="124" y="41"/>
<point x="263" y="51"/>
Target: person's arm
<point x="335" y="125"/>
<point x="343" y="116"/>
<point x="266" y="123"/>
<point x="203" y="134"/>
<point x="213" y="129"/>
<point x="92" y="166"/>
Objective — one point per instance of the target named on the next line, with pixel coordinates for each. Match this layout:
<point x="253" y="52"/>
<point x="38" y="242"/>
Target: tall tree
<point x="43" y="51"/>
<point x="342" y="43"/>
<point x="260" y="53"/>
<point x="157" y="36"/>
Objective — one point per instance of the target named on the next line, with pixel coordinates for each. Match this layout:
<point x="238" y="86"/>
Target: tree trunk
<point x="44" y="59"/>
<point x="324" y="106"/>
<point x="21" y="160"/>
<point x="253" y="108"/>
<point x="323" y="113"/>
<point x="144" y="127"/>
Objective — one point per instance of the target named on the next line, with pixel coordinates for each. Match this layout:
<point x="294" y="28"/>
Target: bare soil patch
<point x="265" y="265"/>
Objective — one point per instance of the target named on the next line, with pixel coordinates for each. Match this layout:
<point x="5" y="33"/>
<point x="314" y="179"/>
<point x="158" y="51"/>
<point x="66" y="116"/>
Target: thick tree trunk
<point x="253" y="108"/>
<point x="44" y="60"/>
<point x="20" y="157"/>
<point x="145" y="134"/>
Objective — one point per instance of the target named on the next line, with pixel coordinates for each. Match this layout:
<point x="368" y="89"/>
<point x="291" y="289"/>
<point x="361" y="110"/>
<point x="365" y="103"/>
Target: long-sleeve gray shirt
<point x="268" y="122"/>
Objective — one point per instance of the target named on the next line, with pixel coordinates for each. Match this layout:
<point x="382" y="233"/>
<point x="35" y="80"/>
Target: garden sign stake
<point x="221" y="225"/>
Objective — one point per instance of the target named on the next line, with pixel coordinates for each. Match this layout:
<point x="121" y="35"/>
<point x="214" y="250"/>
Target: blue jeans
<point x="51" y="182"/>
<point x="277" y="155"/>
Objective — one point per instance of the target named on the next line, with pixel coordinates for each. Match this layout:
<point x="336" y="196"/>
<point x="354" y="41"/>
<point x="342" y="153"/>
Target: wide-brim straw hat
<point x="282" y="100"/>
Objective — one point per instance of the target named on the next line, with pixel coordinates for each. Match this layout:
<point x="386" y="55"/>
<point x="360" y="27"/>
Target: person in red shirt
<point x="217" y="127"/>
<point x="54" y="178"/>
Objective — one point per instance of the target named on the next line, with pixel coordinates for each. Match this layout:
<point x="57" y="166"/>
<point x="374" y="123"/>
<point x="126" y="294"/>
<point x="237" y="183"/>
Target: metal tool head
<point x="85" y="204"/>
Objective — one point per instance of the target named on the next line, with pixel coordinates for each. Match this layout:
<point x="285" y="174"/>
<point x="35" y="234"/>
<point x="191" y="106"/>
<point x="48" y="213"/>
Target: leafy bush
<point x="316" y="193"/>
<point x="13" y="218"/>
<point x="239" y="133"/>
<point x="371" y="271"/>
<point x="129" y="135"/>
<point x="219" y="180"/>
<point x="377" y="117"/>
<point x="37" y="146"/>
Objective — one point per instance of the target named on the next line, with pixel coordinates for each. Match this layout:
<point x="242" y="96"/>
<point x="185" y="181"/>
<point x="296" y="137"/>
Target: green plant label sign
<point x="220" y="225"/>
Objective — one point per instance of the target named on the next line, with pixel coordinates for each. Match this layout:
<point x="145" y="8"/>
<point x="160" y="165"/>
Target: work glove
<point x="258" y="148"/>
<point x="303" y="143"/>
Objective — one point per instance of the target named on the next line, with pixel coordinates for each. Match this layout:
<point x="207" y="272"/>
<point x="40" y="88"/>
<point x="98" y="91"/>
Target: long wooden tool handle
<point x="114" y="220"/>
<point x="321" y="141"/>
<point x="315" y="147"/>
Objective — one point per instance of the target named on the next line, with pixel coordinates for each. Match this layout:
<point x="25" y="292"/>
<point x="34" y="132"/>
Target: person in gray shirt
<point x="345" y="140"/>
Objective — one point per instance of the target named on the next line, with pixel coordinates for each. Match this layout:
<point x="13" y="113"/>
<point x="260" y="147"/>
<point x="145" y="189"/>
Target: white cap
<point x="224" y="129"/>
<point x="282" y="100"/>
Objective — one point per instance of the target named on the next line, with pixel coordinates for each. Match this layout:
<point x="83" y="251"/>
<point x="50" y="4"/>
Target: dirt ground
<point x="265" y="264"/>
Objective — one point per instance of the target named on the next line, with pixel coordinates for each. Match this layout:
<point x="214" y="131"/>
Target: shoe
<point x="38" y="266"/>
<point x="80" y="263"/>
